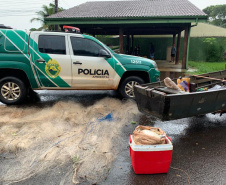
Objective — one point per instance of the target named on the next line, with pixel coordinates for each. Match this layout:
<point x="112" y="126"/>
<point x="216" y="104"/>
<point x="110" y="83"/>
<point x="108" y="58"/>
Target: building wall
<point x="200" y="49"/>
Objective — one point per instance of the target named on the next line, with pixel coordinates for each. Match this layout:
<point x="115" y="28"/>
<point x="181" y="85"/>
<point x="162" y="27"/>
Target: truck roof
<point x="55" y="32"/>
<point x="2" y="26"/>
<point x="42" y="32"/>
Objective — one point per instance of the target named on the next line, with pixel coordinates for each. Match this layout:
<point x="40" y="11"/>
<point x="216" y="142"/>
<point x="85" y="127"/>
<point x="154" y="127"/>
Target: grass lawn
<point x="205" y="67"/>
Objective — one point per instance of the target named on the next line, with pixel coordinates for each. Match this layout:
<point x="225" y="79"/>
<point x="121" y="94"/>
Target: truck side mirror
<point x="104" y="53"/>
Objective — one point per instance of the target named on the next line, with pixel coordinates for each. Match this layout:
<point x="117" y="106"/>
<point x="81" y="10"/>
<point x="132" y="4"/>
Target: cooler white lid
<point x="161" y="147"/>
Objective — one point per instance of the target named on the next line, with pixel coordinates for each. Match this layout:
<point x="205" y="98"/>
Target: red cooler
<point x="151" y="159"/>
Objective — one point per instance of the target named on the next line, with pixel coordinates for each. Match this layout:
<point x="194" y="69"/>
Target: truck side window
<point x="85" y="47"/>
<point x="10" y="47"/>
<point x="52" y="44"/>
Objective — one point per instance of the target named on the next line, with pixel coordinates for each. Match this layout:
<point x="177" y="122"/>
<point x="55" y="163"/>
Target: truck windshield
<point x="107" y="47"/>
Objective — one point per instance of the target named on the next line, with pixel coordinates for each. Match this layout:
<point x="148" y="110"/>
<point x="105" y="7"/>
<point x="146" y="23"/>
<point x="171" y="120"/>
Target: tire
<point x="125" y="90"/>
<point x="32" y="96"/>
<point x="15" y="88"/>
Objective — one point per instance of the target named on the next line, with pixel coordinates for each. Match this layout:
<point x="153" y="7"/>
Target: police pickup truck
<point x="65" y="61"/>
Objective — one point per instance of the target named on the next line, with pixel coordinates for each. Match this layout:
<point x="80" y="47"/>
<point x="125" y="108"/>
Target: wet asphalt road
<point x="199" y="154"/>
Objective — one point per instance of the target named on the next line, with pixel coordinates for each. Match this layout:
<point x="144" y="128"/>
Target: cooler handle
<point x="169" y="138"/>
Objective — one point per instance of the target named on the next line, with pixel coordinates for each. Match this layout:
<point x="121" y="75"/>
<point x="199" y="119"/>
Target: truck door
<point x="89" y="70"/>
<point x="51" y="59"/>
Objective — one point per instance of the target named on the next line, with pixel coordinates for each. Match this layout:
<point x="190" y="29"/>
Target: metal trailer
<point x="166" y="104"/>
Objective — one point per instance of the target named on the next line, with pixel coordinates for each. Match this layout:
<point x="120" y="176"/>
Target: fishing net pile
<point x="33" y="139"/>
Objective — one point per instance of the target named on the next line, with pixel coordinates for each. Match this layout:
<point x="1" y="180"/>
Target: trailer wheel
<point x="127" y="85"/>
<point x="12" y="91"/>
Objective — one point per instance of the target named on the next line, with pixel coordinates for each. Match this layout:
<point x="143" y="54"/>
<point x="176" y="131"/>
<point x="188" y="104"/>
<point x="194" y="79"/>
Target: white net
<point x="39" y="138"/>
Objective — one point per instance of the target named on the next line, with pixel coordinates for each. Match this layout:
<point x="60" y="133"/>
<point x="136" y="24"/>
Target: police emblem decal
<point x="52" y="68"/>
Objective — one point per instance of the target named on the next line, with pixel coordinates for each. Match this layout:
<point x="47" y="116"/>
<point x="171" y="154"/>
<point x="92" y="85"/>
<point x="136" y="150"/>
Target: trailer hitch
<point x="221" y="112"/>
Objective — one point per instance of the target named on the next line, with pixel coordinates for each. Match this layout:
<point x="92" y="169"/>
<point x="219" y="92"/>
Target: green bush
<point x="214" y="51"/>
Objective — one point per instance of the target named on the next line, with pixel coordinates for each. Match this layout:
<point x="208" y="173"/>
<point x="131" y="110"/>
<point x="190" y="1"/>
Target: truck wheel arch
<point x="17" y="73"/>
<point x="142" y="74"/>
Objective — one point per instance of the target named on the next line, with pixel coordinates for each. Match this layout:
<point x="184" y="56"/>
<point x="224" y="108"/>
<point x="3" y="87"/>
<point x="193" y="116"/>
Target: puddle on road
<point x="37" y="138"/>
<point x="172" y="128"/>
<point x="185" y="127"/>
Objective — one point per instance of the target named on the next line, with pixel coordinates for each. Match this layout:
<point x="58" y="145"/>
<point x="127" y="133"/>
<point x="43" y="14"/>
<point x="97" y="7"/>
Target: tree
<point x="46" y="11"/>
<point x="216" y="14"/>
<point x="35" y="29"/>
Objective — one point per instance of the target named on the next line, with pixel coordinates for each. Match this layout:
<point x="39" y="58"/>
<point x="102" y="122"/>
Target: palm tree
<point x="46" y="11"/>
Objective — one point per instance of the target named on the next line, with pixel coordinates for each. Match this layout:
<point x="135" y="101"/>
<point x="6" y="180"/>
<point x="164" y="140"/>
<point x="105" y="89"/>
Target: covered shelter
<point x="129" y="18"/>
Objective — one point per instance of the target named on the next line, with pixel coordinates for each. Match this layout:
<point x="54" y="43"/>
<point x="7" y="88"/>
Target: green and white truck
<point x="65" y="61"/>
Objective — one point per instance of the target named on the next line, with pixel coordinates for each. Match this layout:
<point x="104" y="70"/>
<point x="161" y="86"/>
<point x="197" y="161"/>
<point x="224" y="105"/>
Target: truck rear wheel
<point x="12" y="91"/>
<point x="127" y="85"/>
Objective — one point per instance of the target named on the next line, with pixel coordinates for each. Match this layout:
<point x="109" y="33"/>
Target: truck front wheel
<point x="127" y="85"/>
<point x="12" y="91"/>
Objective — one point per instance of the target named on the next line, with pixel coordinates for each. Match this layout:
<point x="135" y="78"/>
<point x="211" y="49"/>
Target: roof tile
<point x="119" y="9"/>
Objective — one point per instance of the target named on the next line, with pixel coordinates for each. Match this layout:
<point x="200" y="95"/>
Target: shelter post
<point x="121" y="40"/>
<point x="178" y="48"/>
<point x="174" y="38"/>
<point x="189" y="31"/>
<point x="184" y="60"/>
<point x="132" y="42"/>
<point x="127" y="44"/>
